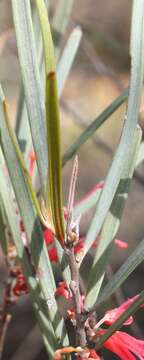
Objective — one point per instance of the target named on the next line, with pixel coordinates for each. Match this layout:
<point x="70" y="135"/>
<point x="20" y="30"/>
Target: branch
<point x="75" y="288"/>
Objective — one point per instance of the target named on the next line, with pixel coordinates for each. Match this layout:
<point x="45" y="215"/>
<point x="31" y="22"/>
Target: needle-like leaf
<point x="111" y="225"/>
<point x="13" y="223"/>
<point x="120" y="158"/>
<point x="32" y="227"/>
<point x="67" y="58"/>
<point x="31" y="83"/>
<point x="54" y="186"/>
<point x="60" y="21"/>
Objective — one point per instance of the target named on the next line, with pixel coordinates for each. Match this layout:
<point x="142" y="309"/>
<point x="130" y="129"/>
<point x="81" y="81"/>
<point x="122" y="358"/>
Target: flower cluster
<point x="125" y="346"/>
<point x="49" y="240"/>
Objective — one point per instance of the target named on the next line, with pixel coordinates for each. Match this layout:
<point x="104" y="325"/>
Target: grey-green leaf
<point x="131" y="118"/>
<point x="67" y="58"/>
<point x="32" y="227"/>
<point x="31" y="82"/>
<point x="13" y="222"/>
<point x="111" y="225"/>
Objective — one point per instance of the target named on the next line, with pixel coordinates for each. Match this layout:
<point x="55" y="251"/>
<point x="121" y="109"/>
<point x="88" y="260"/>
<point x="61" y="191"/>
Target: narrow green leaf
<point x="63" y="263"/>
<point x="68" y="57"/>
<point x="3" y="239"/>
<point x="93" y="196"/>
<point x="90" y="130"/>
<point x="23" y="166"/>
<point x="60" y="22"/>
<point x="33" y="229"/>
<point x="54" y="170"/>
<point x="111" y="225"/>
<point x="45" y="324"/>
<point x="12" y="218"/>
<point x="22" y="124"/>
<point x="71" y="45"/>
<point x="31" y="82"/>
<point x="54" y="185"/>
<point x="122" y="274"/>
<point x="19" y="113"/>
<point x="49" y="56"/>
<point x="120" y="158"/>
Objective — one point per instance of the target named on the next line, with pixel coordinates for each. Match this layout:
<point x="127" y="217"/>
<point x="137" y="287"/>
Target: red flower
<point x="62" y="290"/>
<point x="93" y="355"/>
<point x="112" y="315"/>
<point x="120" y="343"/>
<point x="124" y="345"/>
<point x="53" y="254"/>
<point x="20" y="287"/>
<point x="48" y="236"/>
<point x="121" y="244"/>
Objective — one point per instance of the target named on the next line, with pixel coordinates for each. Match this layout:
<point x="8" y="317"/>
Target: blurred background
<point x="99" y="74"/>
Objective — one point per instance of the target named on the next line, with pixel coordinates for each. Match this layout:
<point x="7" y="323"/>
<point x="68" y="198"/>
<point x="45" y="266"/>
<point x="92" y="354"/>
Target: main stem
<point x="75" y="288"/>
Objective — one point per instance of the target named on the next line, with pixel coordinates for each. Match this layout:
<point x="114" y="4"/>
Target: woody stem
<point x="75" y="288"/>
